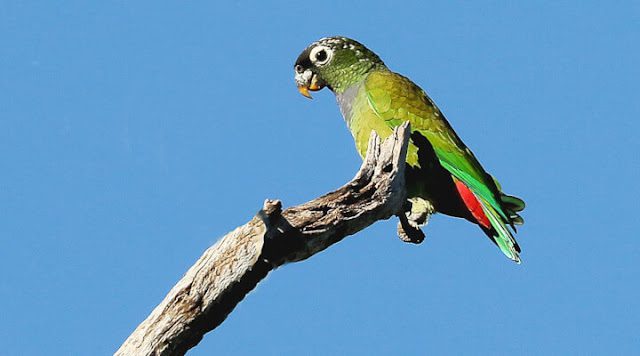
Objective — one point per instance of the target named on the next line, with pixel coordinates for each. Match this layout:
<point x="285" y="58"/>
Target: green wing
<point x="396" y="99"/>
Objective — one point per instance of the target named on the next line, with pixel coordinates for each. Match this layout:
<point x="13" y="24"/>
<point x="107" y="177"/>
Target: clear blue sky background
<point x="134" y="134"/>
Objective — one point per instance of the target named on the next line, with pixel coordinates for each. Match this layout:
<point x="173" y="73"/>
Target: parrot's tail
<point x="491" y="222"/>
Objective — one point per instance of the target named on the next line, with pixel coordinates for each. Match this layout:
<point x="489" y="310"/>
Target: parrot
<point x="442" y="175"/>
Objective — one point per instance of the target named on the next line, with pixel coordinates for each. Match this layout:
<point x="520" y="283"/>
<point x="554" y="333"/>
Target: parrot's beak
<point x="308" y="81"/>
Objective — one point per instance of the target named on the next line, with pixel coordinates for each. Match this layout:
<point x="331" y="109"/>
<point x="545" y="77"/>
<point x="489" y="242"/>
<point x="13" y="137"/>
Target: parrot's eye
<point x="320" y="55"/>
<point x="299" y="69"/>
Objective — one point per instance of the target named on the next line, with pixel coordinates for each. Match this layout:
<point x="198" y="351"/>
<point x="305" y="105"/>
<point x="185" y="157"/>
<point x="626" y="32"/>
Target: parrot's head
<point x="334" y="62"/>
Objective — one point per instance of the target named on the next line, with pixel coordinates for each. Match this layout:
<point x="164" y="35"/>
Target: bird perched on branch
<point x="442" y="174"/>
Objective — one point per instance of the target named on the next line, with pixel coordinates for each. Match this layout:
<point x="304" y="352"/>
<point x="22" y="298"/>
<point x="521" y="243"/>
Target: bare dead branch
<point x="232" y="267"/>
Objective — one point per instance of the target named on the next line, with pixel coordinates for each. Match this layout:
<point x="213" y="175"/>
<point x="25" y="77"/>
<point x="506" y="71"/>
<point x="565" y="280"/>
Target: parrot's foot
<point x="408" y="231"/>
<point x="415" y="215"/>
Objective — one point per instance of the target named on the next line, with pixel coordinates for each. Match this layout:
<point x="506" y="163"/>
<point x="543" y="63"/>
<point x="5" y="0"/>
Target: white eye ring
<point x="320" y="55"/>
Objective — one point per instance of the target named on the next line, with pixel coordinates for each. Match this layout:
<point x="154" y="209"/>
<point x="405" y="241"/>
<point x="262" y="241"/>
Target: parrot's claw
<point x="409" y="231"/>
<point x="415" y="215"/>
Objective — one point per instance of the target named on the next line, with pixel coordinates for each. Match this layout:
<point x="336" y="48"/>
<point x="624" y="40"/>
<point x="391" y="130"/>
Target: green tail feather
<point x="512" y="205"/>
<point x="500" y="234"/>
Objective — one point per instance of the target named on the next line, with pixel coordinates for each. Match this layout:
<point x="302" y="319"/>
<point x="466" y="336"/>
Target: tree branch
<point x="232" y="267"/>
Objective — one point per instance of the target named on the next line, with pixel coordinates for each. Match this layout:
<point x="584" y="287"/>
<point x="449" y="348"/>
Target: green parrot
<point x="442" y="174"/>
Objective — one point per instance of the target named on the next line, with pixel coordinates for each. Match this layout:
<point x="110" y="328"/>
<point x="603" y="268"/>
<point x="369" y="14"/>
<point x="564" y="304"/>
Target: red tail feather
<point x="472" y="203"/>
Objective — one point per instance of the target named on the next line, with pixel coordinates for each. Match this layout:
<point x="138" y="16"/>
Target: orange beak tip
<point x="304" y="90"/>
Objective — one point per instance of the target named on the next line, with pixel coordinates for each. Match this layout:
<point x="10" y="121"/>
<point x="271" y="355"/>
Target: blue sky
<point x="135" y="134"/>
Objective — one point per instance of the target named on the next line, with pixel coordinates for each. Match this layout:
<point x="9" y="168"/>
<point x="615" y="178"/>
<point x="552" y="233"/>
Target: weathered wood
<point x="232" y="267"/>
